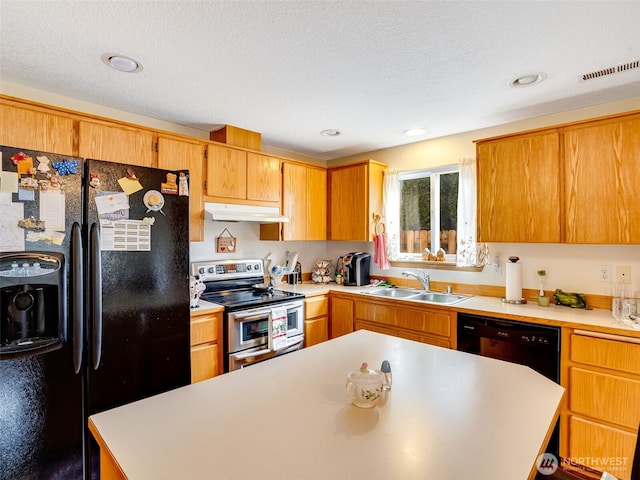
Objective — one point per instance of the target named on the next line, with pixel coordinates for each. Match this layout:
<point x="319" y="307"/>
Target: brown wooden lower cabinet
<point x="600" y="422"/>
<point x="421" y="324"/>
<point x="316" y="320"/>
<point x="341" y="319"/>
<point x="413" y="323"/>
<point x="206" y="351"/>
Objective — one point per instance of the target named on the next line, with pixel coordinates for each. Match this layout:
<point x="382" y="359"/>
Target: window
<point x="428" y="212"/>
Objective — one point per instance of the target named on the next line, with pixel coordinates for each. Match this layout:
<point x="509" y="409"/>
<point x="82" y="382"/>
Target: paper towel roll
<point x="514" y="281"/>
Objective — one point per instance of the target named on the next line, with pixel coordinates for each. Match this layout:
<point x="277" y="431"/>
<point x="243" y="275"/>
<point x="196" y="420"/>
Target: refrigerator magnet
<point x="94" y="181"/>
<point x="66" y="167"/>
<point x="183" y="184"/>
<point x="24" y="166"/>
<point x="43" y="164"/>
<point x="170" y="186"/>
<point x="129" y="185"/>
<point x="154" y="201"/>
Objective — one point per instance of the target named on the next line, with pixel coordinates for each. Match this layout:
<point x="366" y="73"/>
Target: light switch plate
<point x="623" y="274"/>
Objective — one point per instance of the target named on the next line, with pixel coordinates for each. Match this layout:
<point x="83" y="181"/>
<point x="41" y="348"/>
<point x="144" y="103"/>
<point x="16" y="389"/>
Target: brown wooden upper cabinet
<point x="575" y="183"/>
<point x="304" y="203"/>
<point x="33" y="128"/>
<point x="602" y="181"/>
<point x="355" y="194"/>
<point x="184" y="154"/>
<point x="237" y="176"/>
<point x="519" y="188"/>
<point x="116" y="143"/>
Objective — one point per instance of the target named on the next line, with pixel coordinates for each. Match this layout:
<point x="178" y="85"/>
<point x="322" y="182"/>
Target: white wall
<point x="570" y="267"/>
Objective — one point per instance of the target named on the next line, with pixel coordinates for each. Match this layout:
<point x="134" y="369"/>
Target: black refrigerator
<point x="94" y="298"/>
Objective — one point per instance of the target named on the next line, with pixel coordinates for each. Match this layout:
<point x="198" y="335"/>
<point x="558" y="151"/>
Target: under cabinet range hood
<point x="230" y="212"/>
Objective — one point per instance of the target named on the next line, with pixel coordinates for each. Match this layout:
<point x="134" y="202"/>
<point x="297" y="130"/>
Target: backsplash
<point x="573" y="268"/>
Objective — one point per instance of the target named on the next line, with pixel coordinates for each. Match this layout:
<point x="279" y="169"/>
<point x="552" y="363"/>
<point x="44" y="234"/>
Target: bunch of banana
<point x="573" y="300"/>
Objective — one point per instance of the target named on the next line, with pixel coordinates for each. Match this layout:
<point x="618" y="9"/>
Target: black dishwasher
<point x="536" y="346"/>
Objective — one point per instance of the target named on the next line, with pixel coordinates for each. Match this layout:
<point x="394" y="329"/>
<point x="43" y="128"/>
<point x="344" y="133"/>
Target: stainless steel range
<point x="251" y="311"/>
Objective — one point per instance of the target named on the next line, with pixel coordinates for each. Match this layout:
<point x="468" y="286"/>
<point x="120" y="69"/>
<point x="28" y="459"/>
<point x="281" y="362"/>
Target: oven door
<point x="256" y="355"/>
<point x="248" y="329"/>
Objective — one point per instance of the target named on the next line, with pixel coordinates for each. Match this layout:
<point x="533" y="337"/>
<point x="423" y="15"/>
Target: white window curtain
<point x="391" y="207"/>
<point x="470" y="253"/>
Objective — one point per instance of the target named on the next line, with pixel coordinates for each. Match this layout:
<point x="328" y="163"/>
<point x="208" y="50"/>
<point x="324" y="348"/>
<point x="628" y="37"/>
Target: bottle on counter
<point x="386" y="373"/>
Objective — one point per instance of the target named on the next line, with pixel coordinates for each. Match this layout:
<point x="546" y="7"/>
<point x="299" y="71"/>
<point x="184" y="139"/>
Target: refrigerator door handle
<point x="77" y="299"/>
<point x="96" y="295"/>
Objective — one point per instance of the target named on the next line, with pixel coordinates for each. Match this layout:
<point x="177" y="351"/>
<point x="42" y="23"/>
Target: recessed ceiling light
<point x="122" y="63"/>
<point x="528" y="80"/>
<point x="330" y="132"/>
<point x="413" y="132"/>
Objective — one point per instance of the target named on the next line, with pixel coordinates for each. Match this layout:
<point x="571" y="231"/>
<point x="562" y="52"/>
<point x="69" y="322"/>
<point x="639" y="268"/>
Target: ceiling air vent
<point x="611" y="70"/>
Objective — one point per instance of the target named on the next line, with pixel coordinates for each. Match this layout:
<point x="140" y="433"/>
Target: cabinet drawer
<point x="425" y="321"/>
<point x="605" y="353"/>
<point x="316" y="306"/>
<point x="205" y="328"/>
<point x="601" y="447"/>
<point x="605" y="397"/>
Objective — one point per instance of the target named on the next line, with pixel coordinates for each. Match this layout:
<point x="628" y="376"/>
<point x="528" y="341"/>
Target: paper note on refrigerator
<point x="125" y="235"/>
<point x="52" y="204"/>
<point x="11" y="236"/>
<point x="112" y="202"/>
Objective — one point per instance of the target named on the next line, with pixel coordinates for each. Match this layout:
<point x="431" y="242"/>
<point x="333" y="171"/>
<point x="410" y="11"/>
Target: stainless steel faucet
<point x="423" y="278"/>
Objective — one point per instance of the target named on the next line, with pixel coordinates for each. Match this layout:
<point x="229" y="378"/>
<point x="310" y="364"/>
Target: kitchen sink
<point x="436" y="297"/>
<point x="393" y="292"/>
<point x="417" y="295"/>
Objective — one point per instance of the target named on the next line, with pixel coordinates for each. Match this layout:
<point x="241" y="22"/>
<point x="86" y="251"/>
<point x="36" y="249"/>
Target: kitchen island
<point x="449" y="415"/>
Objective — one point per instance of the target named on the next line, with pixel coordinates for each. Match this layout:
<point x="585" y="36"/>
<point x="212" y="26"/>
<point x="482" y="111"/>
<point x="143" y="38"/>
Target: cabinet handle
<point x="607" y="336"/>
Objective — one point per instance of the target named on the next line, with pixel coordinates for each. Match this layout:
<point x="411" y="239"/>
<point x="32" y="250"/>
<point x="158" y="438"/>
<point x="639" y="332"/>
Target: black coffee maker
<point x="355" y="266"/>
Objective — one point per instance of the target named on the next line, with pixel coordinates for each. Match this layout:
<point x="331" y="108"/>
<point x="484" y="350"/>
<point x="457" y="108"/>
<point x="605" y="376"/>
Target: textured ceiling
<point x="289" y="69"/>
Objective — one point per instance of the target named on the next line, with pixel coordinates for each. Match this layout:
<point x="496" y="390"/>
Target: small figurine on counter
<point x="573" y="300"/>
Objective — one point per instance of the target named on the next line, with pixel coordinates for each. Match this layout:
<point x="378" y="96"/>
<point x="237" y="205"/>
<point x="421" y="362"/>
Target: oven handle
<point x="259" y="353"/>
<point x="250" y="314"/>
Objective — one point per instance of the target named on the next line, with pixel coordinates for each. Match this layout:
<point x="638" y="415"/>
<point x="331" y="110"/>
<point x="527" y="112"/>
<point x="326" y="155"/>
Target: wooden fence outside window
<point x="415" y="241"/>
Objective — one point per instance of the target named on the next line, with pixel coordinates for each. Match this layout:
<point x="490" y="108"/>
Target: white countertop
<point x="598" y="318"/>
<point x="449" y="415"/>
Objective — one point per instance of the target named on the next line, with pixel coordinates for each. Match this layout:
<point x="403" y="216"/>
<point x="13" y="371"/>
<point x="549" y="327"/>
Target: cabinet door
<point x="295" y="201"/>
<point x="178" y="154"/>
<point x="601" y="447"/>
<point x="341" y="321"/>
<point x="349" y="190"/>
<point x="601" y="182"/>
<point x="204" y="362"/>
<point x="519" y="189"/>
<point x="264" y="180"/>
<point x="316" y="330"/>
<point x="316" y="204"/>
<point x="33" y="129"/>
<point x="116" y="143"/>
<point x="226" y="172"/>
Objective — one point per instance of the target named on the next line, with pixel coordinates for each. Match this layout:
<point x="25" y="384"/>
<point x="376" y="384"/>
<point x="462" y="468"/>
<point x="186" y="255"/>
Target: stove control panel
<point x="227" y="269"/>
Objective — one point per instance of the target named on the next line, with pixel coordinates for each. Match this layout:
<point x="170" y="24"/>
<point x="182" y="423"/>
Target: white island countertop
<point x="449" y="415"/>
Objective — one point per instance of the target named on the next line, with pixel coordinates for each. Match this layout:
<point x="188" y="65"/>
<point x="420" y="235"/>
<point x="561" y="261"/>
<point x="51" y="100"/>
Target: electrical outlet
<point x="623" y="274"/>
<point x="604" y="273"/>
